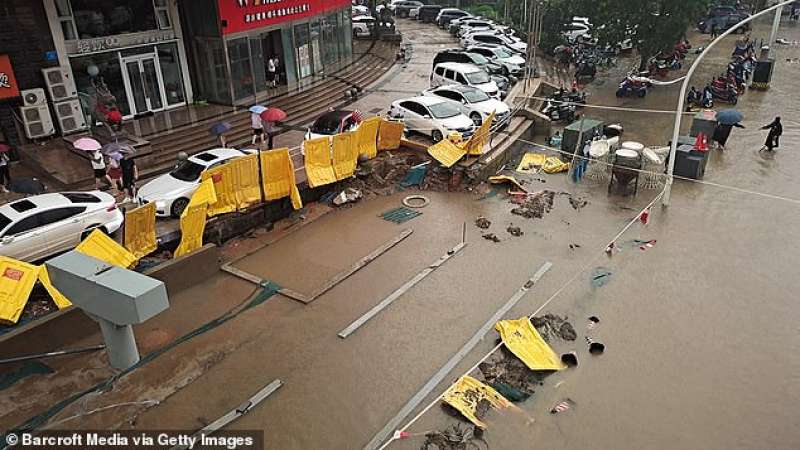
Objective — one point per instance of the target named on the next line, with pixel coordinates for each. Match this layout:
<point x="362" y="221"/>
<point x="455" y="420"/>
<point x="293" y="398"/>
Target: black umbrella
<point x="30" y="186"/>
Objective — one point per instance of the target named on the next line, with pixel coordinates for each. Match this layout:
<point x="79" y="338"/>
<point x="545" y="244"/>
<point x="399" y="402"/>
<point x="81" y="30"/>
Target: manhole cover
<point x="375" y="110"/>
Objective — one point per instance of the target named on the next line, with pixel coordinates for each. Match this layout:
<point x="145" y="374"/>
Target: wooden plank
<point x="255" y="279"/>
<point x="239" y="411"/>
<point x="330" y="284"/>
<point x="437" y="378"/>
<point x="350" y="329"/>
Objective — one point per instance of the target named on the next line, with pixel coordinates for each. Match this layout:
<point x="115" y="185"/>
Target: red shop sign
<point x="244" y="15"/>
<point x="8" y="83"/>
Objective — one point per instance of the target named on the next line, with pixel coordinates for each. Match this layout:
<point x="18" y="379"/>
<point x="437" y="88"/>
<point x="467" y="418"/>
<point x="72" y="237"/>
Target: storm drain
<point x="400" y="215"/>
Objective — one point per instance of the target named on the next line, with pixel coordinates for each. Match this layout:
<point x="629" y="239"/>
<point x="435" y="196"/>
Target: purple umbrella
<point x="220" y="128"/>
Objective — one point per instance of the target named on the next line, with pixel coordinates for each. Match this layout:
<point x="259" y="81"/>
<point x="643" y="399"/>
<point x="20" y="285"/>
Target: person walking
<point x="130" y="173"/>
<point x="115" y="174"/>
<point x="277" y="62"/>
<point x="99" y="168"/>
<point x="258" y="128"/>
<point x="5" y="171"/>
<point x="269" y="128"/>
<point x="714" y="30"/>
<point x="271" y="70"/>
<point x="722" y="132"/>
<point x="775" y="131"/>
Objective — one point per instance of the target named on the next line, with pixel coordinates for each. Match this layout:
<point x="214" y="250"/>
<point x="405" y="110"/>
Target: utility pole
<point x="774" y="33"/>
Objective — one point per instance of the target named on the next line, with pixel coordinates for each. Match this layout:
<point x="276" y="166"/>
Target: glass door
<point x="143" y="84"/>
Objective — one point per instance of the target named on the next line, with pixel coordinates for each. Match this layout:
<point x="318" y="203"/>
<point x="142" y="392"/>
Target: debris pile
<point x="483" y="223"/>
<point x="552" y="326"/>
<point x="514" y="231"/>
<point x="455" y="437"/>
<point x="510" y="376"/>
<point x="491" y="237"/>
<point x="535" y="205"/>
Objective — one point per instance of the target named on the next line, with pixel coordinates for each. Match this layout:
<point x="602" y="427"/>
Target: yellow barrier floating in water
<point x="522" y="339"/>
<point x="469" y="395"/>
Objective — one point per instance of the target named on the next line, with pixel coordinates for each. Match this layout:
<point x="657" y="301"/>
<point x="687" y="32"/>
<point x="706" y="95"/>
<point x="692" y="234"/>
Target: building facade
<point x="148" y="56"/>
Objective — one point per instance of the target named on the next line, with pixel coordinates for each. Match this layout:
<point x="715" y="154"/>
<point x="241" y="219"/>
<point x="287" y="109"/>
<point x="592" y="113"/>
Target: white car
<point x="334" y="122"/>
<point x="472" y="25"/>
<point x="432" y="116"/>
<point x="362" y="25"/>
<point x="577" y="31"/>
<point x="473" y="102"/>
<point x="359" y="10"/>
<point x="490" y="38"/>
<point x="413" y="13"/>
<point x="512" y="63"/>
<point x="172" y="191"/>
<point x="41" y="226"/>
<point x="466" y="74"/>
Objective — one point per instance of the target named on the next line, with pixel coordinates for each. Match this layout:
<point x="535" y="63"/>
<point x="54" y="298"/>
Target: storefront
<point x="130" y="49"/>
<point x="232" y="60"/>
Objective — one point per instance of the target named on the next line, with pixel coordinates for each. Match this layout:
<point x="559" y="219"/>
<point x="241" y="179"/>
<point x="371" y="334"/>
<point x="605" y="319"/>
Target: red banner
<point x="244" y="15"/>
<point x="8" y="83"/>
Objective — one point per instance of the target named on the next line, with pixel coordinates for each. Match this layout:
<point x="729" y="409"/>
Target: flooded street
<point x="700" y="327"/>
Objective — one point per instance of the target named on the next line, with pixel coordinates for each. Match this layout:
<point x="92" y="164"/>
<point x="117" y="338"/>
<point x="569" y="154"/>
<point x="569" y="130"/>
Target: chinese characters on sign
<point x="96" y="45"/>
<point x="8" y="83"/>
<point x="111" y="42"/>
<point x="243" y="15"/>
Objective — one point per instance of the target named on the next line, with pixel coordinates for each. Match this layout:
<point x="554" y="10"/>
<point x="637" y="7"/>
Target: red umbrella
<point x="4" y="148"/>
<point x="273" y="115"/>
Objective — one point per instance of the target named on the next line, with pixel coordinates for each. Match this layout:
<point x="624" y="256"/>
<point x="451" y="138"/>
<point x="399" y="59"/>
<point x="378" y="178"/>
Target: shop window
<point x="171" y="73"/>
<point x="64" y="12"/>
<point x="106" y="84"/>
<point x="97" y="18"/>
<point x="241" y="69"/>
<point x="302" y="46"/>
<point x="162" y="14"/>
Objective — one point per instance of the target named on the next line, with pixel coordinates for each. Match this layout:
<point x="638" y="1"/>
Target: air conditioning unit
<point x="33" y="97"/>
<point x="70" y="116"/>
<point x="60" y="84"/>
<point x="37" y="121"/>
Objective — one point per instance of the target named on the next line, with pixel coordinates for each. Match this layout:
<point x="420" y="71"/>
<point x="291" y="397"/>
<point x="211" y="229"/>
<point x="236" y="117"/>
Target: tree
<point x="652" y="25"/>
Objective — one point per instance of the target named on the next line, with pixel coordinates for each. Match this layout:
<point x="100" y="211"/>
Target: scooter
<point x="727" y="95"/>
<point x="559" y="112"/>
<point x="632" y="86"/>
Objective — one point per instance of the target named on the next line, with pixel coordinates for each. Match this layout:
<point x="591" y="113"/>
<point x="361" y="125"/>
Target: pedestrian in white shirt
<point x="258" y="128"/>
<point x="99" y="167"/>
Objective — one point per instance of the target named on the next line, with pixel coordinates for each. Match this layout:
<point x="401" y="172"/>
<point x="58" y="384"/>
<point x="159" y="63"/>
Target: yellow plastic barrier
<point x="503" y="179"/>
<point x="16" y="283"/>
<point x="205" y="194"/>
<point x="530" y="161"/>
<point x="389" y="135"/>
<point x="99" y="245"/>
<point x="345" y="156"/>
<point x="58" y="298"/>
<point x="140" y="230"/>
<point x="554" y="165"/>
<point x="478" y="140"/>
<point x="446" y="152"/>
<point x="467" y="393"/>
<point x="367" y="137"/>
<point x="193" y="224"/>
<point x="319" y="167"/>
<point x="245" y="174"/>
<point x="522" y="339"/>
<point x="279" y="181"/>
<point x="225" y="188"/>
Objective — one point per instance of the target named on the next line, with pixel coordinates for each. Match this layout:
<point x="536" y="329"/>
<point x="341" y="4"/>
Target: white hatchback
<point x="473" y="102"/>
<point x="35" y="228"/>
<point x="466" y="74"/>
<point x="432" y="116"/>
<point x="172" y="191"/>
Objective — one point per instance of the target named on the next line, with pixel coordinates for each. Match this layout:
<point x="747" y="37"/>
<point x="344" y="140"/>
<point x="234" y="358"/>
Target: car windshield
<point x="475" y="96"/>
<point x="479" y="77"/>
<point x="443" y="110"/>
<point x="501" y="53"/>
<point x="327" y="125"/>
<point x="188" y="171"/>
<point x="478" y="59"/>
<point x="4" y="221"/>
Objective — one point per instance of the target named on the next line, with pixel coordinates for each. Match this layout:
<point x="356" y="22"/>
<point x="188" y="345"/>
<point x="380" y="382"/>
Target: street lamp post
<point x="679" y="110"/>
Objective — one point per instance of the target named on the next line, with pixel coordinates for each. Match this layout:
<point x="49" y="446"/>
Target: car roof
<point x="460" y="67"/>
<point x="337" y="114"/>
<point x="43" y="201"/>
<point x="363" y="16"/>
<point x="457" y="87"/>
<point x="220" y="153"/>
<point x="424" y="99"/>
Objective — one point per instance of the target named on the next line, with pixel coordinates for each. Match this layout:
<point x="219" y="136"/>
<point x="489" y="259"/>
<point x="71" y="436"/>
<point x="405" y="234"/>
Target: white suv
<point x="432" y="116"/>
<point x="41" y="226"/>
<point x="466" y="74"/>
<point x="471" y="101"/>
<point x="512" y="63"/>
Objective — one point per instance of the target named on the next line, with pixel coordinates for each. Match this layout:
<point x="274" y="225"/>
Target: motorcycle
<point x="728" y="94"/>
<point x="559" y="112"/>
<point x="631" y="85"/>
<point x="573" y="96"/>
<point x="586" y="69"/>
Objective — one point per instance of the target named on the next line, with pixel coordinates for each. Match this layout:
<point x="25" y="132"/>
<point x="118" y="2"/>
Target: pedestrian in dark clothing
<point x="714" y="31"/>
<point x="722" y="132"/>
<point x="130" y="173"/>
<point x="775" y="131"/>
<point x="5" y="173"/>
<point x="269" y="128"/>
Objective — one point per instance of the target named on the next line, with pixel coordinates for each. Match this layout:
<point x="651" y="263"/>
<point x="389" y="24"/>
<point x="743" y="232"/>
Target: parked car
<point x="432" y="116"/>
<point x="576" y="31"/>
<point x="404" y="7"/>
<point x="466" y="74"/>
<point x="489" y="38"/>
<point x="359" y="10"/>
<point x="172" y="191"/>
<point x="333" y="122"/>
<point x="459" y="55"/>
<point x="473" y="102"/>
<point x="446" y="15"/>
<point x="472" y="25"/>
<point x="428" y="13"/>
<point x="41" y="226"/>
<point x="455" y="24"/>
<point x="512" y="64"/>
<point x="413" y="13"/>
<point x="723" y="17"/>
<point x="363" y="26"/>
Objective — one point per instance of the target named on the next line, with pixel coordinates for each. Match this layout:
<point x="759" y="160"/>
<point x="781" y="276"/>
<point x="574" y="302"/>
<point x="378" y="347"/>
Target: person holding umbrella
<point x="219" y="130"/>
<point x="726" y="120"/>
<point x="256" y="123"/>
<point x="269" y="117"/>
<point x="775" y="131"/>
<point x="130" y="173"/>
